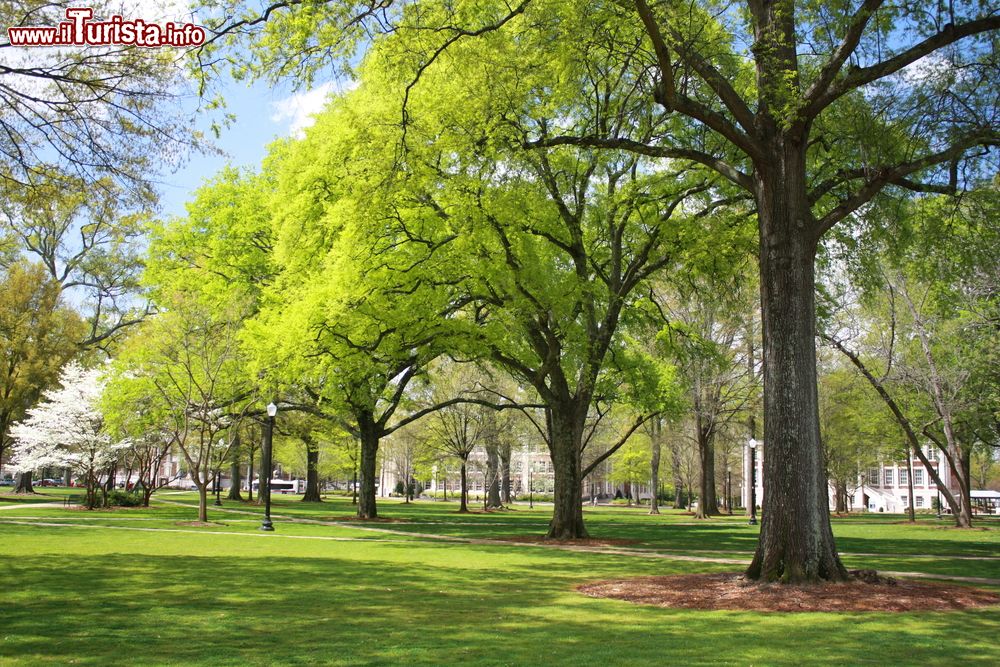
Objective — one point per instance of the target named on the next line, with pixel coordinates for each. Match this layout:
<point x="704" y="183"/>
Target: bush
<point x="119" y="498"/>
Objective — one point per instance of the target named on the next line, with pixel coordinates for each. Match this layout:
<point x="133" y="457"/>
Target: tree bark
<point x="24" y="483"/>
<point x="493" y="478"/>
<point x="796" y="540"/>
<point x="505" y="474"/>
<point x="463" y="504"/>
<point x="909" y="485"/>
<point x="841" y="495"/>
<point x="235" y="481"/>
<point x="675" y="461"/>
<point x="565" y="436"/>
<point x="203" y="502"/>
<point x="312" y="473"/>
<point x="369" y="452"/>
<point x="708" y="503"/>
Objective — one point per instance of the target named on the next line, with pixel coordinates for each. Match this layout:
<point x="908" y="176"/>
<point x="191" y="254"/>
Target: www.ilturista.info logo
<point x="80" y="30"/>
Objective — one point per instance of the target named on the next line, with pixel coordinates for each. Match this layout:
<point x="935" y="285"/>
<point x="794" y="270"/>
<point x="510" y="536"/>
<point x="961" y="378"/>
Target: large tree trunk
<point x="565" y="436"/>
<point x="312" y="473"/>
<point x="235" y="482"/>
<point x="463" y="504"/>
<point x="24" y="483"/>
<point x="368" y="471"/>
<point x="708" y="503"/>
<point x="796" y="540"/>
<point x="654" y="465"/>
<point x="493" y="478"/>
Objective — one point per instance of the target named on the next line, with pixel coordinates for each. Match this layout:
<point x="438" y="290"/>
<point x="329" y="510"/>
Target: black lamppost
<point x="531" y="486"/>
<point x="265" y="466"/>
<point x="752" y="444"/>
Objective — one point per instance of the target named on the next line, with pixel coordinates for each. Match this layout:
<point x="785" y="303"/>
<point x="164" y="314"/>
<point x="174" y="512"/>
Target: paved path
<point x="24" y="506"/>
<point x="615" y="551"/>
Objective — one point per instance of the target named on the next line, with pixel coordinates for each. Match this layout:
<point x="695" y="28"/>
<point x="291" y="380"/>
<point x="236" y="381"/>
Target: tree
<point x="66" y="430"/>
<point x="132" y="415"/>
<point x="37" y="335"/>
<point x="805" y="177"/>
<point x="853" y="432"/>
<point x="101" y="121"/>
<point x="654" y="431"/>
<point x="705" y="319"/>
<point x="89" y="247"/>
<point x="894" y="100"/>
<point x="458" y="429"/>
<point x="629" y="466"/>
<point x="929" y="306"/>
<point x="186" y="361"/>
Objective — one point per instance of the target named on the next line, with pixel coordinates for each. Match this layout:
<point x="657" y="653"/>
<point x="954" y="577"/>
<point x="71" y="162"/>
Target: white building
<point x="882" y="488"/>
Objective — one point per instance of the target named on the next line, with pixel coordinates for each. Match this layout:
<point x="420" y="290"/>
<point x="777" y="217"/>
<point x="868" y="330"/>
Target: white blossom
<point x="65" y="429"/>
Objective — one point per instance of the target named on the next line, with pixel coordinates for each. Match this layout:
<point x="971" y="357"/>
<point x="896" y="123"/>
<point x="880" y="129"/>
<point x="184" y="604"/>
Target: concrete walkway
<point x="24" y="506"/>
<point x="614" y="551"/>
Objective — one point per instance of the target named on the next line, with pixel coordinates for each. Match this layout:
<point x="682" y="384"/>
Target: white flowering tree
<point x="65" y="430"/>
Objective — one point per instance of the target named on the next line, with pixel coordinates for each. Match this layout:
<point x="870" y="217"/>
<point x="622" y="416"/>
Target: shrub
<point x="119" y="498"/>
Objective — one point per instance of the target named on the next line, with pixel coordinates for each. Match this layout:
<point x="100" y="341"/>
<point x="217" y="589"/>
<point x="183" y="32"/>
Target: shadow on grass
<point x="32" y="498"/>
<point x="473" y="605"/>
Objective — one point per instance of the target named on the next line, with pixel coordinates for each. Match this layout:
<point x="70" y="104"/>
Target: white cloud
<point x="298" y="110"/>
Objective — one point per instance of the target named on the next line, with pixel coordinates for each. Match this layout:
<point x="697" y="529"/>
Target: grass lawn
<point x="143" y="586"/>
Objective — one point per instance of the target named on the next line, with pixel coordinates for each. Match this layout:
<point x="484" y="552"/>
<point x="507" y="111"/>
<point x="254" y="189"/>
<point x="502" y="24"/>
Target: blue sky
<point x="262" y="115"/>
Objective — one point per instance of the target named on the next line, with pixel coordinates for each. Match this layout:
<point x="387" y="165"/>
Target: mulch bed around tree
<point x="355" y="517"/>
<point x="732" y="592"/>
<point x="200" y="524"/>
<point x="539" y="539"/>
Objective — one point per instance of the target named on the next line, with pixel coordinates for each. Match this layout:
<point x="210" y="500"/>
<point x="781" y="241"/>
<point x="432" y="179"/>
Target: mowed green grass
<point x="143" y="586"/>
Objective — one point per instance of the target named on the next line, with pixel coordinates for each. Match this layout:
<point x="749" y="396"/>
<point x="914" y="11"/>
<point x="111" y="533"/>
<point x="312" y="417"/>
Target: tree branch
<point x="642" y="419"/>
<point x="861" y="76"/>
<point x="847" y="46"/>
<point x="881" y="177"/>
<point x="722" y="167"/>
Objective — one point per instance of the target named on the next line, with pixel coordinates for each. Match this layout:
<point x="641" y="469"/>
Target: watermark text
<point x="81" y="30"/>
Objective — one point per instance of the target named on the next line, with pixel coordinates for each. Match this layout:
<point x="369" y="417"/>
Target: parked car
<point x="6" y="482"/>
<point x="45" y="482"/>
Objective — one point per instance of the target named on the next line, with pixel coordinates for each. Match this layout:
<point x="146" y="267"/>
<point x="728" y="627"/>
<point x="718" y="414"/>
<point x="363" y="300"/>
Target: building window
<point x="906" y="501"/>
<point x="888" y="476"/>
<point x="918" y="477"/>
<point x="919" y="501"/>
<point x="932" y="453"/>
<point x="904" y="477"/>
<point x="873" y="477"/>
